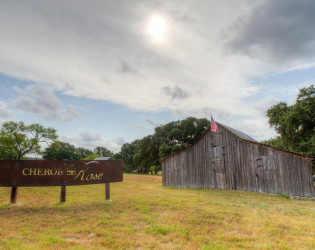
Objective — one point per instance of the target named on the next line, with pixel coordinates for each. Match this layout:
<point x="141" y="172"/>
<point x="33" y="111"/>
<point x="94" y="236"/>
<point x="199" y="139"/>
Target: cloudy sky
<point x="107" y="72"/>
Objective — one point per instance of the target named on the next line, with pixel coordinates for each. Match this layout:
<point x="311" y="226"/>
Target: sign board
<point x="31" y="173"/>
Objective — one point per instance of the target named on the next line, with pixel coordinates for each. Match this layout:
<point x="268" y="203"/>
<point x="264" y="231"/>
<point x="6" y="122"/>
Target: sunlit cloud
<point x="189" y="59"/>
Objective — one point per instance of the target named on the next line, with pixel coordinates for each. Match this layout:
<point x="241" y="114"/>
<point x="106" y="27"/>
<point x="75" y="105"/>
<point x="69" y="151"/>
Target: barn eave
<point x="243" y="137"/>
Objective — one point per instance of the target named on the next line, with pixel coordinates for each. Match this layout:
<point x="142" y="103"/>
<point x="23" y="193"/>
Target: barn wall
<point x="223" y="161"/>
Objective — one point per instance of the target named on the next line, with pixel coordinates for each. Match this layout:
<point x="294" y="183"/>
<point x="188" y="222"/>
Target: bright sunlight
<point x="156" y="28"/>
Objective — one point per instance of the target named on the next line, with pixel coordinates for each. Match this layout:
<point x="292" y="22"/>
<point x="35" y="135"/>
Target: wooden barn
<point x="230" y="159"/>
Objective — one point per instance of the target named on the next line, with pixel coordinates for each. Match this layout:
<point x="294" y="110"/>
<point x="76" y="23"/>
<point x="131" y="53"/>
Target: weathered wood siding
<point x="223" y="161"/>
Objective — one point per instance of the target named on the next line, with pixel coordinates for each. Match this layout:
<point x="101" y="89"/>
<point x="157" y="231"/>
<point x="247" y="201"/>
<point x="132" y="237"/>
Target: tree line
<point x="143" y="155"/>
<point x="295" y="125"/>
<point x="18" y="140"/>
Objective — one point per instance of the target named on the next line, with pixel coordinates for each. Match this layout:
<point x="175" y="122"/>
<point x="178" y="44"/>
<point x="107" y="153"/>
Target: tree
<point x="186" y="131"/>
<point x="180" y="134"/>
<point x="127" y="152"/>
<point x="296" y="123"/>
<point x="91" y="157"/>
<point x="61" y="151"/>
<point x="18" y="139"/>
<point x="145" y="154"/>
<point x="103" y="152"/>
<point x="275" y="142"/>
<point x="83" y="153"/>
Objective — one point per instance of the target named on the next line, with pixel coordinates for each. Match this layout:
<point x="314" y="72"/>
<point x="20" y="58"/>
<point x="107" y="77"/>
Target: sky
<point x="104" y="73"/>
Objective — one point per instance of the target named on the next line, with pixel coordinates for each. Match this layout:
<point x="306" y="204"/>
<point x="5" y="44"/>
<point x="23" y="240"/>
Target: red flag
<point x="214" y="127"/>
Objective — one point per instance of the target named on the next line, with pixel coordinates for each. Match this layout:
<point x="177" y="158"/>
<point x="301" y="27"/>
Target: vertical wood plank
<point x="221" y="160"/>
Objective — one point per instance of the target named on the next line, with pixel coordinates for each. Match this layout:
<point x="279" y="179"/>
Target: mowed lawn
<point x="143" y="214"/>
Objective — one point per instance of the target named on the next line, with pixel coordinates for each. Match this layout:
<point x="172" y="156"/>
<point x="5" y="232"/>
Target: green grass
<point x="143" y="214"/>
<point x="284" y="196"/>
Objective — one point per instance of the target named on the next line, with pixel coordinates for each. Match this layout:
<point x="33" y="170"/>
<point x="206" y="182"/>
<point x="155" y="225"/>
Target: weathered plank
<point x="222" y="160"/>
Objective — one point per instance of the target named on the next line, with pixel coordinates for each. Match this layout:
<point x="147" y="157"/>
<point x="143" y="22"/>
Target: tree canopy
<point x="295" y="124"/>
<point x="66" y="151"/>
<point x="18" y="139"/>
<point x="144" y="155"/>
<point x="102" y="151"/>
<point x="61" y="151"/>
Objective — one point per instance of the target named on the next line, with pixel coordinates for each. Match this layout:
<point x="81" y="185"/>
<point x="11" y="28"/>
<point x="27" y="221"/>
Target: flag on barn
<point x="214" y="127"/>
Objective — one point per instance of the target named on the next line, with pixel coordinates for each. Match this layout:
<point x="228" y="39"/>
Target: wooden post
<point x="63" y="194"/>
<point x="107" y="191"/>
<point x="14" y="191"/>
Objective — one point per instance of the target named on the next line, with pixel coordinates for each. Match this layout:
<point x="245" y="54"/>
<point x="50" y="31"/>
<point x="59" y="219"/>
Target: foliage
<point x="18" y="139"/>
<point x="65" y="151"/>
<point x="91" y="157"/>
<point x="60" y="151"/>
<point x="127" y="152"/>
<point x="145" y="154"/>
<point x="296" y="123"/>
<point x="83" y="152"/>
<point x="102" y="151"/>
<point x="185" y="132"/>
<point x="275" y="142"/>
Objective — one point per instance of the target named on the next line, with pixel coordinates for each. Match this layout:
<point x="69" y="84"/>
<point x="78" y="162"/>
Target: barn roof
<point x="238" y="133"/>
<point x="102" y="158"/>
<point x="242" y="136"/>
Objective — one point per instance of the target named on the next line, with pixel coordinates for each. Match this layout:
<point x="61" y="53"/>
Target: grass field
<point x="144" y="215"/>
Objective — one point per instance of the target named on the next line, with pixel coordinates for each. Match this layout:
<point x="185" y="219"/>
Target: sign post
<point x="63" y="192"/>
<point x="14" y="191"/>
<point x="107" y="191"/>
<point x="36" y="173"/>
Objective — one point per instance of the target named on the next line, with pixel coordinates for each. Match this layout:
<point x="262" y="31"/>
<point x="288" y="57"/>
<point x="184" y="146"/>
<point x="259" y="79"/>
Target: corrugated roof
<point x="102" y="158"/>
<point x="238" y="133"/>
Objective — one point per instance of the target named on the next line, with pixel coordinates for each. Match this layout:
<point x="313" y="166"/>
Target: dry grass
<point x="143" y="214"/>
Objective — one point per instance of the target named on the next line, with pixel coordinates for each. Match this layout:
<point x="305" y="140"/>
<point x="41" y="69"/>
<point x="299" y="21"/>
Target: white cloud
<point x="101" y="50"/>
<point x="115" y="144"/>
<point x="4" y="111"/>
<point x="265" y="104"/>
<point x="257" y="127"/>
<point x="41" y="101"/>
<point x="91" y="141"/>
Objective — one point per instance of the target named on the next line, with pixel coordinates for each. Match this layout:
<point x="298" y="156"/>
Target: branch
<point x="26" y="151"/>
<point x="18" y="148"/>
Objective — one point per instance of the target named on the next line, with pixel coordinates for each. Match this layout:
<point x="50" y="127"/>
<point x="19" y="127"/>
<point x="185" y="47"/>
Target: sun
<point x="157" y="27"/>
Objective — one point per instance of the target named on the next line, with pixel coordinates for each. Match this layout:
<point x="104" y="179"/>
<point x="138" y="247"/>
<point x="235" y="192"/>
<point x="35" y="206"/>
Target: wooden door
<point x="218" y="167"/>
<point x="267" y="175"/>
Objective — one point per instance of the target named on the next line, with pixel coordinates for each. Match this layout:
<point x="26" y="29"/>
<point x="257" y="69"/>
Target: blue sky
<point x="104" y="73"/>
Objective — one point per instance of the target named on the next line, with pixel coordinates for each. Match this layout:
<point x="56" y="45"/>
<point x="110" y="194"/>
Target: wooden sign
<point x="31" y="173"/>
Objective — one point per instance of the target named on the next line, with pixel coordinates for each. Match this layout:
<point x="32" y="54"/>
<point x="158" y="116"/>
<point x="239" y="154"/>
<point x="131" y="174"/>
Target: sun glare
<point x="157" y="27"/>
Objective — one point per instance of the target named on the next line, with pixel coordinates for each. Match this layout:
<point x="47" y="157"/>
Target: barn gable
<point x="230" y="159"/>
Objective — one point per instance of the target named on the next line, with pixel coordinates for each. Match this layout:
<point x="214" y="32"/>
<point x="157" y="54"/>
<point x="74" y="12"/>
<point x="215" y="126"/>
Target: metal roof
<point x="102" y="158"/>
<point x="238" y="133"/>
<point x="242" y="136"/>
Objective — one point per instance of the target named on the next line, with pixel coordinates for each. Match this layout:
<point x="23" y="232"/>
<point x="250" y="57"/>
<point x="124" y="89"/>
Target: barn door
<point x="267" y="175"/>
<point x="218" y="168"/>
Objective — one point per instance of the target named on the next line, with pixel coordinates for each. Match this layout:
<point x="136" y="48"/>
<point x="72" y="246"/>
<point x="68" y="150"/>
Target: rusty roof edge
<point x="252" y="142"/>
